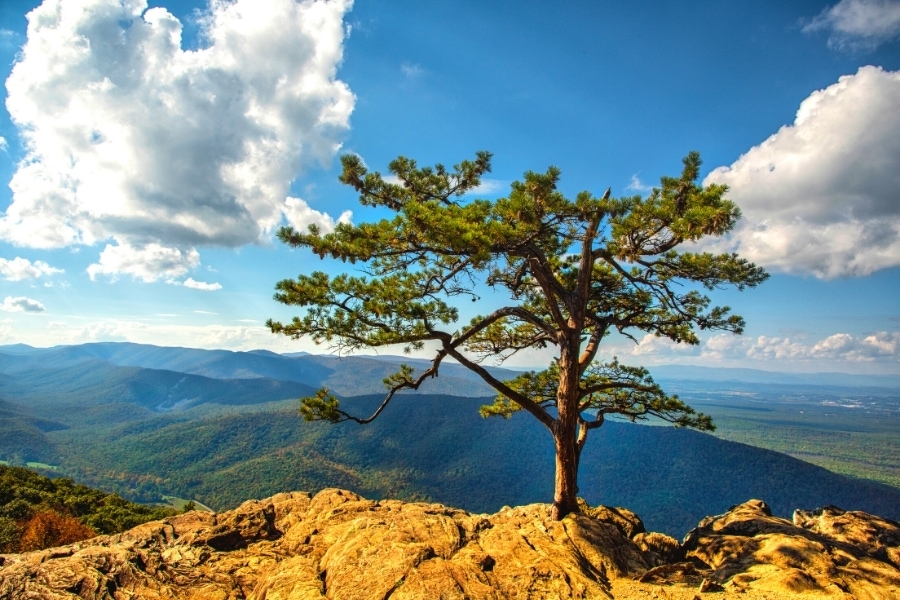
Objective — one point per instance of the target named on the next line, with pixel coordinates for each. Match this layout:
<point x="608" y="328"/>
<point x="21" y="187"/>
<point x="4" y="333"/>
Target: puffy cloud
<point x="869" y="348"/>
<point x="300" y="216"/>
<point x="162" y="150"/>
<point x="21" y="304"/>
<point x="777" y="348"/>
<point x="820" y="195"/>
<point x="148" y="263"/>
<point x="3" y="144"/>
<point x="201" y="285"/>
<point x="20" y="268"/>
<point x="653" y="345"/>
<point x="858" y="24"/>
<point x="840" y="347"/>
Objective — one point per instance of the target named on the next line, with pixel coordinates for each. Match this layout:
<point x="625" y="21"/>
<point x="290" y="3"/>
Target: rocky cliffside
<point x="339" y="545"/>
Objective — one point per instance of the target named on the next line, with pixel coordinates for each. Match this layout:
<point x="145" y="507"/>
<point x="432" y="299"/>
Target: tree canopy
<point x="572" y="272"/>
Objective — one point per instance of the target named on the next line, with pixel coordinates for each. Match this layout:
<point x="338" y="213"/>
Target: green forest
<point x="38" y="512"/>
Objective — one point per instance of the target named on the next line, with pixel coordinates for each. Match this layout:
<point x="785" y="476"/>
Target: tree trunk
<point x="565" y="497"/>
<point x="565" y="431"/>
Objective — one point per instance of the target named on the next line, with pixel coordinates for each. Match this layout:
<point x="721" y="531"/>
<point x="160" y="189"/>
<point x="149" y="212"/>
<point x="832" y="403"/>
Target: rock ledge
<point x="338" y="545"/>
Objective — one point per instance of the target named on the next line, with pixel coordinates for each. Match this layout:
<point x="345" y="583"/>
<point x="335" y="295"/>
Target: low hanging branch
<point x="574" y="271"/>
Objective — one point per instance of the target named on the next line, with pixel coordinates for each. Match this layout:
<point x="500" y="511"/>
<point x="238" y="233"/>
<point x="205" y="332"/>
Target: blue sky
<point x="144" y="175"/>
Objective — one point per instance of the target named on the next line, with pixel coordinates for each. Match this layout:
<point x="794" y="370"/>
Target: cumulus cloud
<point x="3" y="144"/>
<point x="147" y="263"/>
<point x="300" y="215"/>
<point x="838" y="347"/>
<point x="20" y="268"/>
<point x="157" y="150"/>
<point x="858" y="24"/>
<point x="869" y="348"/>
<point x="201" y="285"/>
<point x="654" y="345"/>
<point x="21" y="304"/>
<point x="820" y="195"/>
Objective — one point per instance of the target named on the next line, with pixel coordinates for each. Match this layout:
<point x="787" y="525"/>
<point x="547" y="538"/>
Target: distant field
<point x="179" y="503"/>
<point x="851" y="431"/>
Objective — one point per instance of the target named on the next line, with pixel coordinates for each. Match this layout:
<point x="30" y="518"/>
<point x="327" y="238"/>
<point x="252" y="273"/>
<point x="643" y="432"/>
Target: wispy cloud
<point x="244" y="116"/>
<point x="820" y="195"/>
<point x="636" y="185"/>
<point x="858" y="24"/>
<point x="411" y="70"/>
<point x="21" y="304"/>
<point x="201" y="285"/>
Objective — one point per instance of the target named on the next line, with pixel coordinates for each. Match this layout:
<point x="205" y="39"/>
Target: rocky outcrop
<point x="335" y="545"/>
<point x="825" y="552"/>
<point x="339" y="545"/>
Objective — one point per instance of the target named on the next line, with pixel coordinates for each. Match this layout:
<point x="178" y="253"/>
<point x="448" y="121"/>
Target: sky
<point x="149" y="152"/>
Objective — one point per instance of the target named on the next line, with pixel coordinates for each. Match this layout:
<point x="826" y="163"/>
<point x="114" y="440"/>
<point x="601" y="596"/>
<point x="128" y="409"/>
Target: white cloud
<point x="654" y="345"/>
<point x="487" y="186"/>
<point x="147" y="263"/>
<point x="201" y="285"/>
<point x="3" y="144"/>
<point x="838" y="347"/>
<point x="20" y="268"/>
<point x="21" y="304"/>
<point x="636" y="185"/>
<point x="854" y="349"/>
<point x="412" y="70"/>
<point x="131" y="139"/>
<point x="858" y="24"/>
<point x="777" y="348"/>
<point x="820" y="195"/>
<point x="234" y="337"/>
<point x="300" y="216"/>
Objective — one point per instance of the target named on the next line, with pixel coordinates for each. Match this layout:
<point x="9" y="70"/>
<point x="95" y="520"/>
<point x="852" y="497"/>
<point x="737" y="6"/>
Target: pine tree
<point x="573" y="272"/>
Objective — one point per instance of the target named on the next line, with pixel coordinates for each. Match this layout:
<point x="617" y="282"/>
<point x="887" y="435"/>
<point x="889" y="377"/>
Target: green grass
<point x="39" y="465"/>
<point x="179" y="503"/>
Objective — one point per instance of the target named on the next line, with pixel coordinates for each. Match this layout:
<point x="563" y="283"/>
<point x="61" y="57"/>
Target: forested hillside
<point x="38" y="512"/>
<point x="144" y="433"/>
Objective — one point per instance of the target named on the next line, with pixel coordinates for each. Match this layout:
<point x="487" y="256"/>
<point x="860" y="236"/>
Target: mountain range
<point x="221" y="427"/>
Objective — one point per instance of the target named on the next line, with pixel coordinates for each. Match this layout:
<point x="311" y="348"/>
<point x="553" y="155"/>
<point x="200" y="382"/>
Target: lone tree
<point x="574" y="271"/>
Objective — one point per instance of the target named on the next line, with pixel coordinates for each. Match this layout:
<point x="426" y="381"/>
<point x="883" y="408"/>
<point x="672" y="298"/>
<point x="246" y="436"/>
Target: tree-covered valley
<point x="221" y="427"/>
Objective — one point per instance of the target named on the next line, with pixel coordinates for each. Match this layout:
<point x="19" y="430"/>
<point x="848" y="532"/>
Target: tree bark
<point x="565" y="432"/>
<point x="565" y="497"/>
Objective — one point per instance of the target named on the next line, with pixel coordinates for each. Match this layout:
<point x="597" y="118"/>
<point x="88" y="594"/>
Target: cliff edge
<point x="338" y="545"/>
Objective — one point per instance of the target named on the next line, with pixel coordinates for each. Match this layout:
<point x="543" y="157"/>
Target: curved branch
<point x="531" y="406"/>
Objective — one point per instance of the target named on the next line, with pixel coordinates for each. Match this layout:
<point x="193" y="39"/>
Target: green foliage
<point x="26" y="496"/>
<point x="574" y="271"/>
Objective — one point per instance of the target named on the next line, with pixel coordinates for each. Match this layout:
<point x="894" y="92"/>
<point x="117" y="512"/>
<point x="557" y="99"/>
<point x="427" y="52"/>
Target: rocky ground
<point x="338" y="545"/>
